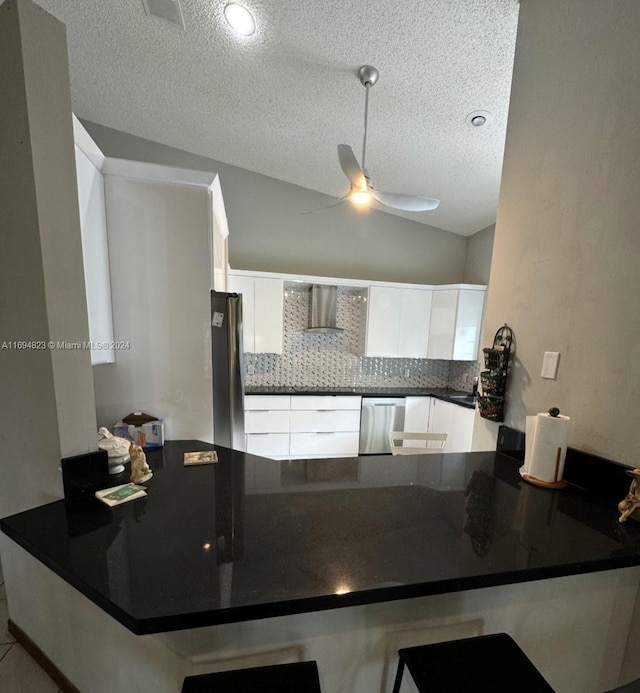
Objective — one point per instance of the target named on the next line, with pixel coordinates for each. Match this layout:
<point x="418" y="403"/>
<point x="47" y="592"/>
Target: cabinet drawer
<point x="266" y="421"/>
<point x="325" y="402"/>
<point x="267" y="402"/>
<point x="324" y="443"/>
<point x="303" y="421"/>
<point x="268" y="444"/>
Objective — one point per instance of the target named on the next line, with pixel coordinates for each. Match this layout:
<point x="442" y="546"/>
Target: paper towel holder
<point x="558" y="483"/>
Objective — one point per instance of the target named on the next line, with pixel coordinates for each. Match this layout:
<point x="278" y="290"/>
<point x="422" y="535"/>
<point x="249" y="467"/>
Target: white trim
<point x="357" y="283"/>
<point x="85" y="143"/>
<point x="219" y="212"/>
<point x="140" y="170"/>
<point x="470" y="287"/>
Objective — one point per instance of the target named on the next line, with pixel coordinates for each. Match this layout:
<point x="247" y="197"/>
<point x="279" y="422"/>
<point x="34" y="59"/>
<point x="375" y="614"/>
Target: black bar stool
<point x="474" y="665"/>
<point x="301" y="677"/>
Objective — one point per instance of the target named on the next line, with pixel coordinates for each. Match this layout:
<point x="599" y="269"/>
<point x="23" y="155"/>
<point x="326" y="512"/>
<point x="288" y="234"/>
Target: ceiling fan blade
<point x="350" y="166"/>
<point x="335" y="204"/>
<point x="409" y="203"/>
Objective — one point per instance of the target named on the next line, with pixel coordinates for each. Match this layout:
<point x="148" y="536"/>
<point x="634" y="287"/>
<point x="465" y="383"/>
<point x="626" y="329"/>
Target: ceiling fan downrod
<point x="368" y="77"/>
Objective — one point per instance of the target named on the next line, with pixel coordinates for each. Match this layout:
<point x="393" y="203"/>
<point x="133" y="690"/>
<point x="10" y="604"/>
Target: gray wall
<point x="477" y="266"/>
<point x="268" y="231"/>
<point x="565" y="272"/>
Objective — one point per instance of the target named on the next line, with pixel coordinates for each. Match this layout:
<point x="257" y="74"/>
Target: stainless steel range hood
<point x="322" y="309"/>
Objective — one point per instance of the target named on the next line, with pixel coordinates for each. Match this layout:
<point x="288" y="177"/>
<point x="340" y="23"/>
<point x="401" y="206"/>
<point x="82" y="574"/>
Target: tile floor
<point x="19" y="673"/>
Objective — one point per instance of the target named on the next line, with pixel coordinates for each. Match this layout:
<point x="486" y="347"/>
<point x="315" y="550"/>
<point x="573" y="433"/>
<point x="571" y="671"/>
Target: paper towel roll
<point x="546" y="446"/>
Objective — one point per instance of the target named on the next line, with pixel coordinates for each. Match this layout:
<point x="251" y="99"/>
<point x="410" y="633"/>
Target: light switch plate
<point x="550" y="364"/>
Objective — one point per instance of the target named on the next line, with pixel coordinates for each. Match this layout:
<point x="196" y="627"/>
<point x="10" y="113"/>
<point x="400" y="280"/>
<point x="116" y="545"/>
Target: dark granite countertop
<point x="464" y="399"/>
<point x="249" y="538"/>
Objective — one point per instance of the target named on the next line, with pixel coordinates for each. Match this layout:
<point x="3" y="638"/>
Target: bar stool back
<point x="489" y="663"/>
<point x="279" y="678"/>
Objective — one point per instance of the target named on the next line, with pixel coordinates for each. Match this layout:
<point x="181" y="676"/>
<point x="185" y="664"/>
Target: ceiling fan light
<point x="240" y="19"/>
<point x="361" y="197"/>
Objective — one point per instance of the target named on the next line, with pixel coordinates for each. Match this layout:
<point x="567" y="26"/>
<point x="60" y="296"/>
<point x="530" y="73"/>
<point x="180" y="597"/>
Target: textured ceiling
<point x="281" y="101"/>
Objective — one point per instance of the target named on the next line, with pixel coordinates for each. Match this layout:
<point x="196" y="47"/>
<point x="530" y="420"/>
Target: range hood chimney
<point x="322" y="309"/>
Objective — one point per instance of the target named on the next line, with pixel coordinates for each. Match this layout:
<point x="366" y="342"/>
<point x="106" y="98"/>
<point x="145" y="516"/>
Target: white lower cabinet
<point x="325" y="421"/>
<point x="307" y="426"/>
<point x="266" y="421"/>
<point x="283" y="426"/>
<point x="325" y="426"/>
<point x="456" y="421"/>
<point x="267" y="425"/>
<point x="325" y="444"/>
<point x="436" y="416"/>
<point x="416" y="418"/>
<point x="274" y="445"/>
<point x="326" y="402"/>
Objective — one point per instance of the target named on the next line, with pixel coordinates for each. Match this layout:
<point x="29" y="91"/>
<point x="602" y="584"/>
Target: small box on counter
<point x="149" y="434"/>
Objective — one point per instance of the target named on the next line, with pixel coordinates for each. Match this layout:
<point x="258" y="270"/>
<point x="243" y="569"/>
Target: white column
<point x="46" y="395"/>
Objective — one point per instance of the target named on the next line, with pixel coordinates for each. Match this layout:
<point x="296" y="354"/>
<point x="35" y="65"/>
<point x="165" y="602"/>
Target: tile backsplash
<point x="332" y="360"/>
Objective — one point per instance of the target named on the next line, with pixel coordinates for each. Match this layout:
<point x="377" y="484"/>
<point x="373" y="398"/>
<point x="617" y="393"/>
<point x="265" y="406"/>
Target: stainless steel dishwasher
<point x="379" y="416"/>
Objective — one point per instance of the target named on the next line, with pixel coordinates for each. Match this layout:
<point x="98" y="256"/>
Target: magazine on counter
<point x="120" y="494"/>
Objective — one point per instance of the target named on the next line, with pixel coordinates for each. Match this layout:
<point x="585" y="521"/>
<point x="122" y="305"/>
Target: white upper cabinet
<point x="443" y="324"/>
<point x="403" y="320"/>
<point x="245" y="286"/>
<point x="398" y="322"/>
<point x="262" y="312"/>
<point x="384" y="307"/>
<point x="468" y="321"/>
<point x="456" y="316"/>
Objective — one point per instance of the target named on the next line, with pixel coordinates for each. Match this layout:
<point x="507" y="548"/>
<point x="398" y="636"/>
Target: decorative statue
<point x="631" y="503"/>
<point x="117" y="450"/>
<point x="140" y="471"/>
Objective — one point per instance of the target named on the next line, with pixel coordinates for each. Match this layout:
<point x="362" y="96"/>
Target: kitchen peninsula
<point x="343" y="561"/>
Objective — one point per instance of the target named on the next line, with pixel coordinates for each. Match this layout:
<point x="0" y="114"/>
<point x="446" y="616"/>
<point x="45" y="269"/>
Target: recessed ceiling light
<point x="478" y="118"/>
<point x="240" y="19"/>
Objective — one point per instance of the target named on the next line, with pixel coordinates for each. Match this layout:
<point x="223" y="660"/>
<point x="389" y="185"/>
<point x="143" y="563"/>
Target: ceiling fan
<point x="362" y="191"/>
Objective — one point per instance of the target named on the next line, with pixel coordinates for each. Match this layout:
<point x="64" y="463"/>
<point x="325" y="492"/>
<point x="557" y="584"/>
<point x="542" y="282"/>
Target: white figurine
<point x="632" y="502"/>
<point x="117" y="450"/>
<point x="140" y="471"/>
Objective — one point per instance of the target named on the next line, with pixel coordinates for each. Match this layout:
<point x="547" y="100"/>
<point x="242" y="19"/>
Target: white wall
<point x="269" y="232"/>
<point x="46" y="396"/>
<point x="565" y="261"/>
<point x="160" y="281"/>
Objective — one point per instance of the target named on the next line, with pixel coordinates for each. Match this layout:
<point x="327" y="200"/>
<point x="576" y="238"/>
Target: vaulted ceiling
<point x="279" y="102"/>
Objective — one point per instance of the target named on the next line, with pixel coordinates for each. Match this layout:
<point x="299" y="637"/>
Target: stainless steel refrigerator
<point x="227" y="370"/>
